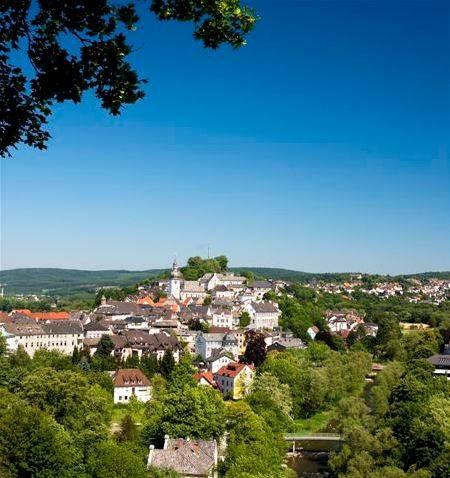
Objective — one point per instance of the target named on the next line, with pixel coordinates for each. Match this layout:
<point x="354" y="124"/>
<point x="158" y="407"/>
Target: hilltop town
<point x="220" y="337"/>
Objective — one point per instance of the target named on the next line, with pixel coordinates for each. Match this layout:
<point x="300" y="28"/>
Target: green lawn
<point x="313" y="424"/>
<point x="136" y="410"/>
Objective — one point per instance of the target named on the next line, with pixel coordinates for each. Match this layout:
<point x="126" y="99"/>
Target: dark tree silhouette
<point x="149" y="365"/>
<point x="167" y="364"/>
<point x="79" y="45"/>
<point x="255" y="350"/>
<point x="104" y="347"/>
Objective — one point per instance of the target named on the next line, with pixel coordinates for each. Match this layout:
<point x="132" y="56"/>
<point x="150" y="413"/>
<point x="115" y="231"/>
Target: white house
<point x="61" y="335"/>
<point x="117" y="310"/>
<point x="371" y="328"/>
<point x="205" y="378"/>
<point x="261" y="287"/>
<point x="12" y="341"/>
<point x="205" y="343"/>
<point x="212" y="280"/>
<point x="192" y="289"/>
<point x="218" y="359"/>
<point x="131" y="382"/>
<point x="222" y="318"/>
<point x="223" y="292"/>
<point x="441" y="363"/>
<point x="263" y="315"/>
<point x="342" y="321"/>
<point x="95" y="330"/>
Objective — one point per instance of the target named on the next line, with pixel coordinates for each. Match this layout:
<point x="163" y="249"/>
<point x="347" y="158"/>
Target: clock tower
<point x="175" y="281"/>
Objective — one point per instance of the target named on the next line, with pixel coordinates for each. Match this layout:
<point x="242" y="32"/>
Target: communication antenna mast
<point x="209" y="251"/>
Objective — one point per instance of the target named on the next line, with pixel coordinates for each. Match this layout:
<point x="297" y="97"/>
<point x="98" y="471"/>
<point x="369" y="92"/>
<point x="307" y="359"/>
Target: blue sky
<point x="323" y="145"/>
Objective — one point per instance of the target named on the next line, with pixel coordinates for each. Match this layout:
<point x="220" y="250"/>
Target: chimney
<point x="150" y="455"/>
<point x="166" y="442"/>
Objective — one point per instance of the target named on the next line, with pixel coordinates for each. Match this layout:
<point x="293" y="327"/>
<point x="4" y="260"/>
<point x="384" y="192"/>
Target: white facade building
<point x="218" y="359"/>
<point x="131" y="383"/>
<point x="222" y="318"/>
<point x="61" y="335"/>
<point x="206" y="343"/>
<point x="263" y="315"/>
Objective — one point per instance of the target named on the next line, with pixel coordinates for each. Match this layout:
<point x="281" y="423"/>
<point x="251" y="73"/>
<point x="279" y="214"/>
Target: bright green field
<point x="313" y="424"/>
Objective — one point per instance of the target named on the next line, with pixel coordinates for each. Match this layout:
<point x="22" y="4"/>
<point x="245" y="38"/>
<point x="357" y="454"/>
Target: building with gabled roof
<point x="147" y="300"/>
<point x="205" y="378"/>
<point x="263" y="315"/>
<point x="95" y="329"/>
<point x="189" y="458"/>
<point x="118" y="310"/>
<point x="62" y="336"/>
<point x="234" y="379"/>
<point x="205" y="343"/>
<point x="218" y="358"/>
<point x="131" y="382"/>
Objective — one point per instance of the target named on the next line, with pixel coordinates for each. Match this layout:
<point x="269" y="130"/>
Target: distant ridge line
<point x="37" y="280"/>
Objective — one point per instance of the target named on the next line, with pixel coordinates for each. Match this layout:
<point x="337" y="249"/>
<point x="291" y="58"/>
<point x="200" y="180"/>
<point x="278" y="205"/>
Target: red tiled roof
<point x="161" y="302"/>
<point x="4" y="317"/>
<point x="147" y="300"/>
<point x="219" y="330"/>
<point x="168" y="302"/>
<point x="130" y="376"/>
<point x="232" y="369"/>
<point x="208" y="376"/>
<point x="23" y="311"/>
<point x="44" y="315"/>
<point x="50" y="315"/>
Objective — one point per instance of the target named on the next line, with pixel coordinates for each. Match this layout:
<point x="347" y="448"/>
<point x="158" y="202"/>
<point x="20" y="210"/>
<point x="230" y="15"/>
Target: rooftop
<point x="187" y="457"/>
<point x="130" y="376"/>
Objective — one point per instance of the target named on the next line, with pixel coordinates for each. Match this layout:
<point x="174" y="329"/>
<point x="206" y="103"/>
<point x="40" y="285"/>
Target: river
<point x="309" y="464"/>
<point x="311" y="460"/>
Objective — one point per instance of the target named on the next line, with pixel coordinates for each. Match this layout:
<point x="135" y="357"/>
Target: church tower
<point x="175" y="281"/>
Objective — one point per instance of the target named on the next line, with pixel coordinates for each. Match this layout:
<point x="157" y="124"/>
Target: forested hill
<point x="70" y="281"/>
<point x="67" y="281"/>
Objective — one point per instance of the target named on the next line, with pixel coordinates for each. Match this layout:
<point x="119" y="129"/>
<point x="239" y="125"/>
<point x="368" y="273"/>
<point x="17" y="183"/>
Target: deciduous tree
<point x="32" y="443"/>
<point x="80" y="45"/>
<point x="255" y="349"/>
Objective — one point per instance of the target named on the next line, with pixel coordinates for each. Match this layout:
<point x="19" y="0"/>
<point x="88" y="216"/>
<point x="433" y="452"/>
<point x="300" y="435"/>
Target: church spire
<point x="176" y="274"/>
<point x="175" y="281"/>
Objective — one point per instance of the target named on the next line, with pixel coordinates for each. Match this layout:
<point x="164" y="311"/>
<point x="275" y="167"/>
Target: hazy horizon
<point x="233" y="266"/>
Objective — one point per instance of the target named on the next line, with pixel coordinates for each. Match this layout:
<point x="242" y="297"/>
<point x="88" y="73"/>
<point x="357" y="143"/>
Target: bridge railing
<point x="313" y="436"/>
